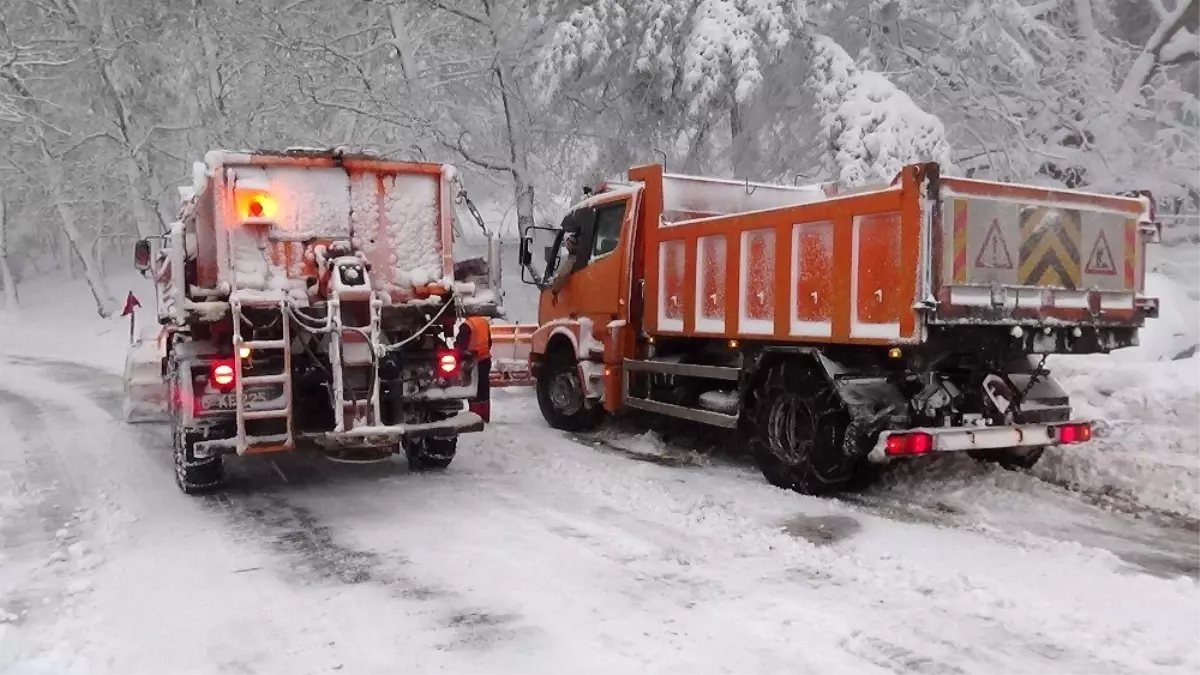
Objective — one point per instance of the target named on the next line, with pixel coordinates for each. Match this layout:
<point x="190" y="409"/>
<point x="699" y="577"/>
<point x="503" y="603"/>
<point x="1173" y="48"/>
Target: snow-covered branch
<point x="872" y="129"/>
<point x="1170" y="26"/>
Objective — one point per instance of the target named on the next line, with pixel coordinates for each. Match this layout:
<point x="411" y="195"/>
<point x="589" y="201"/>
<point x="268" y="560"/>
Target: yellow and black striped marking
<point x="1050" y="241"/>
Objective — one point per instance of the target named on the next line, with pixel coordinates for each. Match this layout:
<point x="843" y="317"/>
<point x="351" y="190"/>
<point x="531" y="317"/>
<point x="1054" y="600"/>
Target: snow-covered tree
<point x="704" y="52"/>
<point x="671" y="72"/>
<point x="871" y="128"/>
<point x="104" y="105"/>
<point x="7" y="279"/>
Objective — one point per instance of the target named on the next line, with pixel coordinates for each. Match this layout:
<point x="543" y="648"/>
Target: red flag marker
<point x="131" y="303"/>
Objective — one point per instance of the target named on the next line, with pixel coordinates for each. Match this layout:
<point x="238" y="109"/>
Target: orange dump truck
<point x="308" y="298"/>
<point x="836" y="331"/>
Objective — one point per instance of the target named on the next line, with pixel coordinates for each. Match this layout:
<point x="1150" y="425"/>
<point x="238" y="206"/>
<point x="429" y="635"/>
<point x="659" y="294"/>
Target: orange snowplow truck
<point x="308" y="298"/>
<point x="837" y="331"/>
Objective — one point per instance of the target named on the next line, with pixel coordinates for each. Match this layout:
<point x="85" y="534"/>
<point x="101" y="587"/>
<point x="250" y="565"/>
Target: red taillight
<point x="917" y="443"/>
<point x="447" y="364"/>
<point x="1069" y="434"/>
<point x="221" y="374"/>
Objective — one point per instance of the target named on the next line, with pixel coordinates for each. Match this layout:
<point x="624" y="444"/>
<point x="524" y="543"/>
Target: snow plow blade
<point x="510" y="354"/>
<point x="145" y="393"/>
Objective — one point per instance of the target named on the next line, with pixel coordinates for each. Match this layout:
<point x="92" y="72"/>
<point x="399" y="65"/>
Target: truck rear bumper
<point x="461" y="423"/>
<point x="897" y="444"/>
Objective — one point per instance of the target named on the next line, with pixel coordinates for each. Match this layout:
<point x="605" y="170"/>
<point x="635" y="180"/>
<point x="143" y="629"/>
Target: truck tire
<point x="430" y="454"/>
<point x="561" y="398"/>
<point x="799" y="432"/>
<point x="194" y="476"/>
<point x="1008" y="458"/>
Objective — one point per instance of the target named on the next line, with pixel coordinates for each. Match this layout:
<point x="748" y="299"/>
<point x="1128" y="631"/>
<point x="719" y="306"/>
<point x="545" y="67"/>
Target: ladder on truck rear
<point x="365" y="413"/>
<point x="282" y="406"/>
<point x="361" y="413"/>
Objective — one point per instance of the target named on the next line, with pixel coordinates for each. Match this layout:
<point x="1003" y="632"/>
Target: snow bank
<point x="1176" y="330"/>
<point x="1146" y="400"/>
<point x="1146" y="449"/>
<point x="58" y="320"/>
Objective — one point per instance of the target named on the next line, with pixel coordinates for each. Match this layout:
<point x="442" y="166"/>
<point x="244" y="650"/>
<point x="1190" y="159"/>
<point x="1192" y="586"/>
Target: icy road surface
<point x="541" y="552"/>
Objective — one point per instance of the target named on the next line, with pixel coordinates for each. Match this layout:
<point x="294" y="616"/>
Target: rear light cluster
<point x="1069" y="434"/>
<point x="221" y="374"/>
<point x="448" y="364"/>
<point x="916" y="443"/>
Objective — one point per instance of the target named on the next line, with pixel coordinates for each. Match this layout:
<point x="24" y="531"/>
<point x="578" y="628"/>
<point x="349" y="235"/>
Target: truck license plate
<point x="256" y="398"/>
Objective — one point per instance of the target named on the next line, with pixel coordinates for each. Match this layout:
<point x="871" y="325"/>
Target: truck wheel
<point x="1008" y="458"/>
<point x="800" y="432"/>
<point x="430" y="454"/>
<point x="194" y="476"/>
<point x="561" y="399"/>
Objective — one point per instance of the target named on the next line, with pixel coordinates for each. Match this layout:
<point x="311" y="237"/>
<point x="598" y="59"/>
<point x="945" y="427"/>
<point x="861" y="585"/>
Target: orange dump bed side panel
<point x="840" y="270"/>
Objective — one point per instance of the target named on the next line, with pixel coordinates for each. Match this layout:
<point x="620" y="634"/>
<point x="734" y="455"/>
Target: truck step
<point x="266" y="448"/>
<point x="268" y="440"/>
<point x="266" y="379"/>
<point x="268" y="414"/>
<point x="258" y="303"/>
<point x="682" y="412"/>
<point x="685" y="369"/>
<point x="264" y="344"/>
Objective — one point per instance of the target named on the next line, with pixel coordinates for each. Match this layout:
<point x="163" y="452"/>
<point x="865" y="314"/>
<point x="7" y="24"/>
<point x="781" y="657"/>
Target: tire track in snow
<point x="938" y="492"/>
<point x="45" y="536"/>
<point x="50" y="492"/>
<point x="737" y="524"/>
<point x="257" y="509"/>
<point x="699" y="528"/>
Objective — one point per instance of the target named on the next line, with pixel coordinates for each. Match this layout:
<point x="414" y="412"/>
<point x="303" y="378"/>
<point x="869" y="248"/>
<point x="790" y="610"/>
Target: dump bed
<point x="262" y="220"/>
<point x="799" y="264"/>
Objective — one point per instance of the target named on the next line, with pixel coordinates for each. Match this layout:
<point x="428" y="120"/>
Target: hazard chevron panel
<point x="1007" y="242"/>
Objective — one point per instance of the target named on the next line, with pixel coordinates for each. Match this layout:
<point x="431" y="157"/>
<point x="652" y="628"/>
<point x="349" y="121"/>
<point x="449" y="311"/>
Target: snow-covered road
<point x="539" y="552"/>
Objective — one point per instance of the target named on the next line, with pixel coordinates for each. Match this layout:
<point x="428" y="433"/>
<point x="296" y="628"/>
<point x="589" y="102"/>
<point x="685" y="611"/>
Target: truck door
<point x="594" y="289"/>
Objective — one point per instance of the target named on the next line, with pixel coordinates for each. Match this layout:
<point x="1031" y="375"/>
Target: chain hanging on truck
<point x="1033" y="379"/>
<point x="462" y="197"/>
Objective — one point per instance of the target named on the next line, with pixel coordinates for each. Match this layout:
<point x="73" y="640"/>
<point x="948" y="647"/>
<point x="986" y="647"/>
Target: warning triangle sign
<point x="994" y="255"/>
<point x="1100" y="260"/>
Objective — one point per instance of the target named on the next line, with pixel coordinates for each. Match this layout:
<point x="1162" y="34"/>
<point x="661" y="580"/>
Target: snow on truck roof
<point x="689" y="198"/>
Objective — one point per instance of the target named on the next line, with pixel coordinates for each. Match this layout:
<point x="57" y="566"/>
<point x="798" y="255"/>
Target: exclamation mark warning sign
<point x="994" y="255"/>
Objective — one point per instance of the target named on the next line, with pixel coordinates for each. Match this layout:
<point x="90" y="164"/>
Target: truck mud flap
<point x="872" y="402"/>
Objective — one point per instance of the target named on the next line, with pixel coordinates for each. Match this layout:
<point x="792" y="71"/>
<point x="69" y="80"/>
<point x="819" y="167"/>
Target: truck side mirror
<point x="526" y="256"/>
<point x="141" y="255"/>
